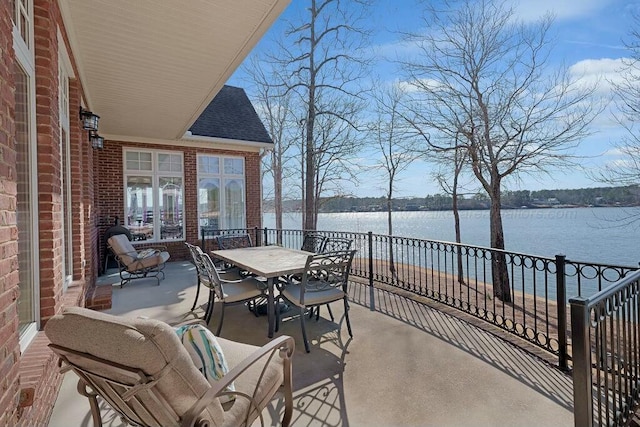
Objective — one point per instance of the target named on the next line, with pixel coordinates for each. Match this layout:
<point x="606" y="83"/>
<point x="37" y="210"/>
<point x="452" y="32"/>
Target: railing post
<point x="561" y="295"/>
<point x="266" y="237"/>
<point x="372" y="303"/>
<point x="255" y="236"/>
<point x="581" y="355"/>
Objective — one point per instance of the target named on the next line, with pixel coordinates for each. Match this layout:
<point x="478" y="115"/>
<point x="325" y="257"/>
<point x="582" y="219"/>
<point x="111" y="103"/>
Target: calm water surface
<point x="599" y="235"/>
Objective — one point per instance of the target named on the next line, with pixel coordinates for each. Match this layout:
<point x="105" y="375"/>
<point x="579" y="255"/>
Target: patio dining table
<point x="270" y="262"/>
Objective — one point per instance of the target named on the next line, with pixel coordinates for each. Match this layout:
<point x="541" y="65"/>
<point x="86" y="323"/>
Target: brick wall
<point x="30" y="381"/>
<point x="46" y="16"/>
<point x="9" y="345"/>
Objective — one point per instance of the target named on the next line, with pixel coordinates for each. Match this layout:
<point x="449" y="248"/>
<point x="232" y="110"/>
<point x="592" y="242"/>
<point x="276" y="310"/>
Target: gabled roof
<point x="231" y="116"/>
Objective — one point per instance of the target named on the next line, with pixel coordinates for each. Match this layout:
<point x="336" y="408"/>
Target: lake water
<point x="598" y="235"/>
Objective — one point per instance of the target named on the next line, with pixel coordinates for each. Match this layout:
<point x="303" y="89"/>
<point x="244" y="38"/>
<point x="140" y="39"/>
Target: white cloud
<point x="596" y="69"/>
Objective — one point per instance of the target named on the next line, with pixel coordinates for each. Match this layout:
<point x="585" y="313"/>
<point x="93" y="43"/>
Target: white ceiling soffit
<point x="149" y="67"/>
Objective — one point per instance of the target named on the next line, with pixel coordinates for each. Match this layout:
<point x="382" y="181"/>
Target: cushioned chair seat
<point x="273" y="378"/>
<point x="102" y="349"/>
<point x="293" y="293"/>
<point x="149" y="261"/>
<point x="134" y="264"/>
<point x="242" y="290"/>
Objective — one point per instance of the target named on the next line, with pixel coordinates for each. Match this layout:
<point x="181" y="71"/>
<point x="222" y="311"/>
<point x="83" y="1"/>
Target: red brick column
<point x="9" y="345"/>
<point x="46" y="16"/>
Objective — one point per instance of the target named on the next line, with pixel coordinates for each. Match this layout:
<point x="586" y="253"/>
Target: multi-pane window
<point x="22" y="22"/>
<point x="154" y="194"/>
<point x="221" y="192"/>
<point x="65" y="160"/>
<point x="26" y="180"/>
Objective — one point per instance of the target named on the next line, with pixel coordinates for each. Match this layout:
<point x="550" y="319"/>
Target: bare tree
<point x="274" y="106"/>
<point x="451" y="185"/>
<point x="321" y="54"/>
<point x="485" y="77"/>
<point x="396" y="143"/>
<point x="627" y="114"/>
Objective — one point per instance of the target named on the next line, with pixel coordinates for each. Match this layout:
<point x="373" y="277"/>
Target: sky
<point x="588" y="38"/>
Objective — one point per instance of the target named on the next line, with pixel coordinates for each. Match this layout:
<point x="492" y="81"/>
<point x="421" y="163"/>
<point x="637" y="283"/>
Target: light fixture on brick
<point x="96" y="140"/>
<point x="89" y="120"/>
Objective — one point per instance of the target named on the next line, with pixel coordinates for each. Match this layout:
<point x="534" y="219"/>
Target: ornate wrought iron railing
<point x="460" y="276"/>
<point x="604" y="308"/>
<point x="606" y="354"/>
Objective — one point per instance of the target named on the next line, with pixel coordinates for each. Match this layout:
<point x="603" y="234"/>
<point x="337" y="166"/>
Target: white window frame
<point x="222" y="177"/>
<point x="25" y="57"/>
<point x="65" y="73"/>
<point x="155" y="174"/>
<point x="25" y="47"/>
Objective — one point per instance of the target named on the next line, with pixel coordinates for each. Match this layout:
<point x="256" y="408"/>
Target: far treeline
<point x="596" y="197"/>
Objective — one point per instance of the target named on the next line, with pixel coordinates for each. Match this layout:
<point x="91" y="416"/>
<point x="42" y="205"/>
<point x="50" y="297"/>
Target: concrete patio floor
<point x="407" y="365"/>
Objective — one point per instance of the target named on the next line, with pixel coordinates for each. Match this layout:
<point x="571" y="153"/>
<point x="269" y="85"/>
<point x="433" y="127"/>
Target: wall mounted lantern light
<point x="96" y="140"/>
<point x="89" y="120"/>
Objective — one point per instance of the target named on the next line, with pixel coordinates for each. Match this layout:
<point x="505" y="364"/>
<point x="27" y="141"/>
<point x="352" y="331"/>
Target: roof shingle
<point x="231" y="116"/>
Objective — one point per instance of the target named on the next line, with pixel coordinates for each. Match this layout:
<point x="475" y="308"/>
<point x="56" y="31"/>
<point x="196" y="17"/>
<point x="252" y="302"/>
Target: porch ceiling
<point x="149" y="68"/>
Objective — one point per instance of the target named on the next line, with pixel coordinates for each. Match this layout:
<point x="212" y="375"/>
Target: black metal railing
<point x="604" y="309"/>
<point x="606" y="354"/>
<point x="460" y="276"/>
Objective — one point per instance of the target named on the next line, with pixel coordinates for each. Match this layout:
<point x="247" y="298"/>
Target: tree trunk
<point x="456" y="220"/>
<point x="392" y="266"/>
<point x="277" y="185"/>
<point x="499" y="271"/>
<point x="310" y="190"/>
<point x="310" y="172"/>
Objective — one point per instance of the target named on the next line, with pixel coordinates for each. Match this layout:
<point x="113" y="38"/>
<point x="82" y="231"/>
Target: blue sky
<point x="589" y="38"/>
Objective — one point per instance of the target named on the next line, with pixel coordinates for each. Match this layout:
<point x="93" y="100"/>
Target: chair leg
<point x="346" y="315"/>
<point x="277" y="326"/>
<point x="84" y="389"/>
<point x="195" y="301"/>
<point x="106" y="263"/>
<point x="221" y="320"/>
<point x="208" y="313"/>
<point x="333" y="319"/>
<point x="304" y="330"/>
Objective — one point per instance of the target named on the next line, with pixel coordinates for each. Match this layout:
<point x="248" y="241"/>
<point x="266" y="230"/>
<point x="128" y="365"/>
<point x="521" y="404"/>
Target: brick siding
<point x="9" y="345"/>
<point x="29" y="382"/>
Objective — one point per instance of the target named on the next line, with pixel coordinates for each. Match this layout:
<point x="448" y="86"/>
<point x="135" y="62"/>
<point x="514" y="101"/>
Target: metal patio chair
<point x="143" y="371"/>
<point x="245" y="290"/>
<point x="333" y="244"/>
<point x="227" y="274"/>
<point x="233" y="241"/>
<point x="137" y="264"/>
<point x="324" y="281"/>
<point x="313" y="242"/>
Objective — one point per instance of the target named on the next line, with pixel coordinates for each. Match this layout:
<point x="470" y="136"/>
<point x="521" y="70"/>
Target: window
<point x="22" y="27"/>
<point x="221" y="192"/>
<point x="26" y="178"/>
<point x="64" y="73"/>
<point x="154" y="194"/>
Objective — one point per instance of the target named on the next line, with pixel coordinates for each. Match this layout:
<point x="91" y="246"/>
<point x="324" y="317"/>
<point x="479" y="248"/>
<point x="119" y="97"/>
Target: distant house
<point x="112" y="108"/>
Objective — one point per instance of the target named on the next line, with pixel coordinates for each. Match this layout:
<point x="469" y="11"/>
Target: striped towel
<point x="205" y="351"/>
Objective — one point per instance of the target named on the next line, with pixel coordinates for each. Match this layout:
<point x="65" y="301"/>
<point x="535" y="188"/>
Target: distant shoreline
<point x="559" y="206"/>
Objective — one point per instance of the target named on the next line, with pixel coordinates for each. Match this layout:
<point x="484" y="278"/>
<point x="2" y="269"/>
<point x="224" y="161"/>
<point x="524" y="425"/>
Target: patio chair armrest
<point x="284" y="343"/>
<point x="189" y="322"/>
<point x="132" y="254"/>
<point x="159" y="248"/>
